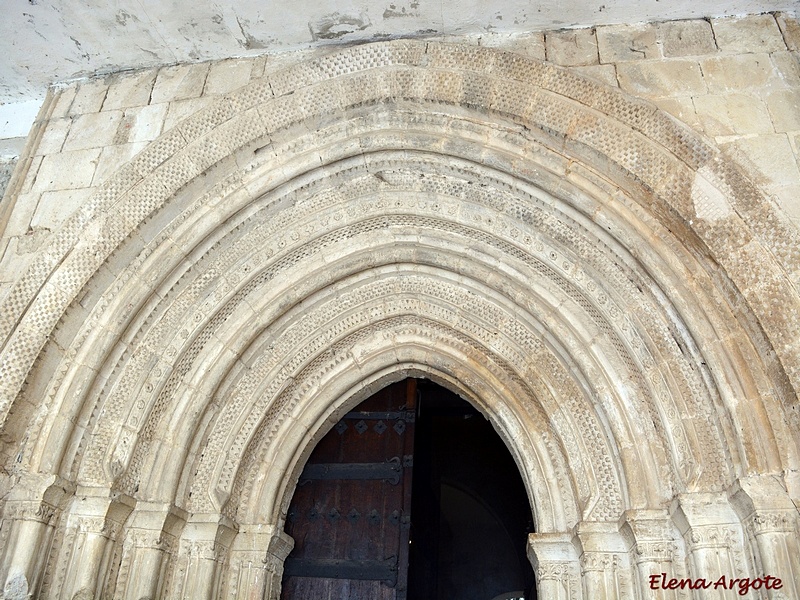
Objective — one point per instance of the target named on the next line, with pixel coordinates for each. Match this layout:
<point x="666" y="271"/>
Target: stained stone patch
<point x="725" y="74"/>
<point x="627" y="42"/>
<point x="784" y="108"/>
<point x="6" y="169"/>
<point x="572" y="48"/>
<point x="686" y="38"/>
<point x="140" y="124"/>
<point x="678" y="77"/>
<point x="179" y="82"/>
<point x="757" y="33"/>
<point x="732" y="114"/>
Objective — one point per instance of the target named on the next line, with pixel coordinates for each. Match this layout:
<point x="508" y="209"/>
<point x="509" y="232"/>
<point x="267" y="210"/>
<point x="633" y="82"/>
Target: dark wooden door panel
<point x="350" y="513"/>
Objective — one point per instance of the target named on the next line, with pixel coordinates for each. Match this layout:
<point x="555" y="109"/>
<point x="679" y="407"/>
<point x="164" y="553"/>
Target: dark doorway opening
<point x="411" y="496"/>
<point x="470" y="512"/>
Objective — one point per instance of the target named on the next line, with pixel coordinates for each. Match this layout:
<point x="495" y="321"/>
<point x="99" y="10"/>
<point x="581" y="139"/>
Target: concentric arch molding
<point x="268" y="250"/>
<point x="668" y="228"/>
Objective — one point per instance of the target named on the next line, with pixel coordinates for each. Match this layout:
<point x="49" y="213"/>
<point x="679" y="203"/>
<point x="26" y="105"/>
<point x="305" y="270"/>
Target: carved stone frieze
<point x="600" y="561"/>
<point x="204" y="549"/>
<point x="712" y="536"/>
<point x="652" y="551"/>
<point x="773" y="522"/>
<point x="561" y="578"/>
<point x="41" y="512"/>
<point x="555" y="571"/>
<point x="144" y="538"/>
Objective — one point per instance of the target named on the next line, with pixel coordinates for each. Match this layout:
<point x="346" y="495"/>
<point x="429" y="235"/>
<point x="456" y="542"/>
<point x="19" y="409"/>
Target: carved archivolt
<point x="616" y="298"/>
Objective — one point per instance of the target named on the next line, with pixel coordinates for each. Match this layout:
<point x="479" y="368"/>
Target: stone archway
<point x="587" y="271"/>
<point x="410" y="494"/>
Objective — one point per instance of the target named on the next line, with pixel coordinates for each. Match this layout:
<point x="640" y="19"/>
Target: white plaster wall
<point x="44" y="42"/>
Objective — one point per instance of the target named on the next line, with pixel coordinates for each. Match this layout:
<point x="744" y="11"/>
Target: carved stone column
<point x="93" y="525"/>
<point x="202" y="556"/>
<point x="149" y="540"/>
<point x="653" y="549"/>
<point x="29" y="519"/>
<point x="714" y="539"/>
<point x="555" y="562"/>
<point x="605" y="564"/>
<point x="256" y="564"/>
<point x="771" y="522"/>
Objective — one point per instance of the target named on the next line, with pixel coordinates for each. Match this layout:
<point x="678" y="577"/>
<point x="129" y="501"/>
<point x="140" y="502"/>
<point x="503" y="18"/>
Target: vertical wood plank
<point x="380" y="532"/>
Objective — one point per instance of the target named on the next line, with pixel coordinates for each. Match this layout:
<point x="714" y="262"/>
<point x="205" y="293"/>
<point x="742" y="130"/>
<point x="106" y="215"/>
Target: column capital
<point x="208" y="536"/>
<point x="37" y="498"/>
<point x="99" y="511"/>
<point x="280" y="545"/>
<point x="155" y="526"/>
<point x="604" y="559"/>
<point x="649" y="534"/>
<point x="704" y="517"/>
<point x="771" y="522"/>
<point x="600" y="546"/>
<point x="763" y="504"/>
<point x="714" y="535"/>
<point x="551" y="547"/>
<point x="257" y="558"/>
<point x="555" y="561"/>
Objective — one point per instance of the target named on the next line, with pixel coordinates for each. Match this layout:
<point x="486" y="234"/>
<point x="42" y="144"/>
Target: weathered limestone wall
<point x="88" y="130"/>
<point x="616" y="297"/>
<point x="736" y="80"/>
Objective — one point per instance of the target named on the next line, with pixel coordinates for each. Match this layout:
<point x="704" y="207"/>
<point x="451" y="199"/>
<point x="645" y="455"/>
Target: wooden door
<point x="350" y="514"/>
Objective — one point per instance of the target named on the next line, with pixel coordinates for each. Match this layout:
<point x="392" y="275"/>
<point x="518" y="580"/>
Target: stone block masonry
<point x="731" y="79"/>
